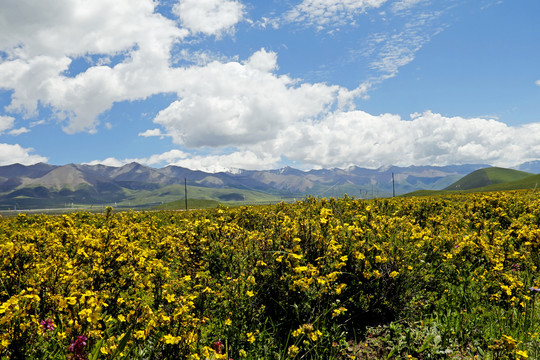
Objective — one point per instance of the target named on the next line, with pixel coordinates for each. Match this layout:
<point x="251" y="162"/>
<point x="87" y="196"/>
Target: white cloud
<point x="59" y="28"/>
<point x="391" y="51"/>
<point x="6" y="123"/>
<point x="41" y="41"/>
<point x="405" y="4"/>
<point x="12" y="154"/>
<point x="538" y="82"/>
<point x="242" y="159"/>
<point x="111" y="161"/>
<point x="428" y="139"/>
<point x="168" y="157"/>
<point x="209" y="17"/>
<point x="19" y="131"/>
<point x="75" y="28"/>
<point x="235" y="104"/>
<point x="151" y="132"/>
<point x="263" y="61"/>
<point x="200" y="57"/>
<point x="329" y="12"/>
<point x="344" y="138"/>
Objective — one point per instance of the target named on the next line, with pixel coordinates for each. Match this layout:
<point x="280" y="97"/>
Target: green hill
<point x="529" y="182"/>
<point x="487" y="177"/>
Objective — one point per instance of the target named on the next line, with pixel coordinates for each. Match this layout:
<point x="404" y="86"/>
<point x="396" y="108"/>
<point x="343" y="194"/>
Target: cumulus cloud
<point x="151" y="132"/>
<point x="209" y="17"/>
<point x="42" y="42"/>
<point x="11" y="154"/>
<point x="538" y="82"/>
<point x="225" y="104"/>
<point x="428" y="139"/>
<point x="58" y="28"/>
<point x="329" y="12"/>
<point x="345" y="138"/>
<point x="242" y="159"/>
<point x="6" y="123"/>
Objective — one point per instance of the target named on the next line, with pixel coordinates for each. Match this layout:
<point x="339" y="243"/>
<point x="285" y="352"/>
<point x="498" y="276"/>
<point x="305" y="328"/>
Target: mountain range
<point x="135" y="185"/>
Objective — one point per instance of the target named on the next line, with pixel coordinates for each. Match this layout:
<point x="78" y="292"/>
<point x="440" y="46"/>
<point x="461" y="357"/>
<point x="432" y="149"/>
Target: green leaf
<point x="97" y="348"/>
<point x="123" y="343"/>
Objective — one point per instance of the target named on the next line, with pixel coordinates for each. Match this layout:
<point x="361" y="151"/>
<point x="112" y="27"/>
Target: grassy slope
<point x="488" y="176"/>
<point x="175" y="192"/>
<point x="529" y="183"/>
<point x="192" y="204"/>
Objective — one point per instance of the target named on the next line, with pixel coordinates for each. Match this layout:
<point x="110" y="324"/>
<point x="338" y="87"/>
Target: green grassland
<point x="488" y="176"/>
<point x="191" y="204"/>
<point x="485" y="180"/>
<point x="177" y="192"/>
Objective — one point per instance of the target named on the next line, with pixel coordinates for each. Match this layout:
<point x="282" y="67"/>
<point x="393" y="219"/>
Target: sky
<point x="235" y="84"/>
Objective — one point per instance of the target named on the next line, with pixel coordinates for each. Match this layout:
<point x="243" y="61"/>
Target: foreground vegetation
<point x="426" y="278"/>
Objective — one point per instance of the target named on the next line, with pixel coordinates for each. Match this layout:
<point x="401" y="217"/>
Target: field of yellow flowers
<point x="451" y="277"/>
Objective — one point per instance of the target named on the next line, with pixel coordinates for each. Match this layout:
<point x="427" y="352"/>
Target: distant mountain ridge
<point x="53" y="185"/>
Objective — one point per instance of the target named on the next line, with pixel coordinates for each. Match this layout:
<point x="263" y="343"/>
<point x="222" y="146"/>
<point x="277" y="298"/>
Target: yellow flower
<point x="250" y="337"/>
<point x="393" y="274"/>
<point x="293" y="350"/>
<point x="228" y="322"/>
<point x="250" y="293"/>
<point x="170" y="339"/>
<point x="340" y="288"/>
<point x="339" y="311"/>
<point x="522" y="353"/>
<point x="139" y="334"/>
<point x="72" y="300"/>
<point x="510" y="341"/>
<point x="315" y="335"/>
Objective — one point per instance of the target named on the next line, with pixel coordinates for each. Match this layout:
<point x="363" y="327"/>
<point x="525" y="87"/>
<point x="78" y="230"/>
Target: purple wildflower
<point x="534" y="289"/>
<point x="218" y="346"/>
<point x="47" y="325"/>
<point x="77" y="348"/>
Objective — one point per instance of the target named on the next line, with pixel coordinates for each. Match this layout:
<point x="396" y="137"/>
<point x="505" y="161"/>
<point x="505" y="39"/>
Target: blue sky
<point x="222" y="84"/>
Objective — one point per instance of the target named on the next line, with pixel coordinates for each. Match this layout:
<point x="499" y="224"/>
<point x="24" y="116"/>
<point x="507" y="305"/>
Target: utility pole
<point x="185" y="190"/>
<point x="393" y="186"/>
